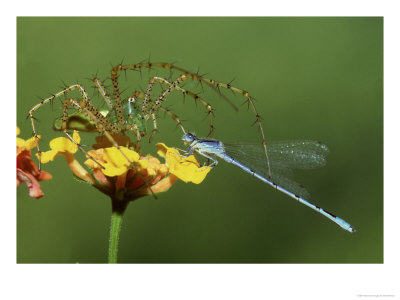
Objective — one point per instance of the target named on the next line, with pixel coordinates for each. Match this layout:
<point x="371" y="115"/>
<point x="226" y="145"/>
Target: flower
<point x="123" y="173"/>
<point x="26" y="169"/>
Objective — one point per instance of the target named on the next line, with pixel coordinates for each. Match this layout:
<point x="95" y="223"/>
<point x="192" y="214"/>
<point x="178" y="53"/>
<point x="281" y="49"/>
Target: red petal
<point x="31" y="182"/>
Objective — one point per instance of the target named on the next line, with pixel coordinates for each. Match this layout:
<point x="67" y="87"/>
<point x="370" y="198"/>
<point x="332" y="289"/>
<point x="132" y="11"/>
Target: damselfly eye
<point x="188" y="138"/>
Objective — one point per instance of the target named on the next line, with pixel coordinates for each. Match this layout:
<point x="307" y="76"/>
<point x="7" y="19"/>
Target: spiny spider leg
<point x="117" y="100"/>
<point x="174" y="117"/>
<point x="253" y="106"/>
<point x="164" y="94"/>
<point x="155" y="79"/>
<point x="169" y="66"/>
<point x="78" y="87"/>
<point x="81" y="148"/>
<point x="154" y="131"/>
<point x="103" y="92"/>
<point x="141" y="95"/>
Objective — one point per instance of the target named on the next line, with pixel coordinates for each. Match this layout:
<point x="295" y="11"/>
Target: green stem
<point x="118" y="209"/>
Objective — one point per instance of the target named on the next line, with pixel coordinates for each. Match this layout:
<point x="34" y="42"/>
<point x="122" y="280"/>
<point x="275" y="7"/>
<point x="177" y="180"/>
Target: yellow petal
<point x="116" y="163"/>
<point x="20" y="142"/>
<point x="161" y="149"/>
<point x="201" y="174"/>
<point x="111" y="171"/>
<point x="18" y="130"/>
<point x="31" y="143"/>
<point x="186" y="169"/>
<point x="91" y="163"/>
<point x="114" y="156"/>
<point x="76" y="137"/>
<point x="189" y="172"/>
<point x="63" y="144"/>
<point x="48" y="156"/>
<point x="28" y="144"/>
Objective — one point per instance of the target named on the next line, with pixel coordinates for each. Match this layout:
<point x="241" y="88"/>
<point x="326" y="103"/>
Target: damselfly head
<point x="188" y="138"/>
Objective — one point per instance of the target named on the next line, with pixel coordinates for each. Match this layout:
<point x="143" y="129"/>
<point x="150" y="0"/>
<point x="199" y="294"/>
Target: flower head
<point x="26" y="169"/>
<point x="121" y="172"/>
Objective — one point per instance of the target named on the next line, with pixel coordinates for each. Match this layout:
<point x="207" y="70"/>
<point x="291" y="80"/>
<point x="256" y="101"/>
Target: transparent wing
<point x="292" y="154"/>
<point x="284" y="156"/>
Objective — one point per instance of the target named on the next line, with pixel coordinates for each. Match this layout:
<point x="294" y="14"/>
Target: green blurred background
<point x="312" y="78"/>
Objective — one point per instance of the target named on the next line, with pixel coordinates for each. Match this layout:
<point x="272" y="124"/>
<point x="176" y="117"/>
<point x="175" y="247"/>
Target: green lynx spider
<point x="127" y="117"/>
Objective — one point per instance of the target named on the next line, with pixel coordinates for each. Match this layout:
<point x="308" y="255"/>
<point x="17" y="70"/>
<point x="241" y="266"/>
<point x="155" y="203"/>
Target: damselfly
<point x="283" y="157"/>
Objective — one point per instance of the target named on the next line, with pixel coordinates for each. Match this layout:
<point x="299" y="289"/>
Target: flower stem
<point x="118" y="209"/>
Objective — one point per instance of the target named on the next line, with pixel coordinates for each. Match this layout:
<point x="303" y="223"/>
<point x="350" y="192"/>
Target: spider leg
<point x="103" y="92"/>
<point x="147" y="99"/>
<point x="154" y="131"/>
<point x="169" y="66"/>
<point x="141" y="95"/>
<point x="175" y="85"/>
<point x="117" y="99"/>
<point x="135" y="129"/>
<point x="174" y="117"/>
<point x="66" y="90"/>
<point x="165" y="93"/>
<point x="250" y="101"/>
<point x="206" y="105"/>
<point x="81" y="148"/>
